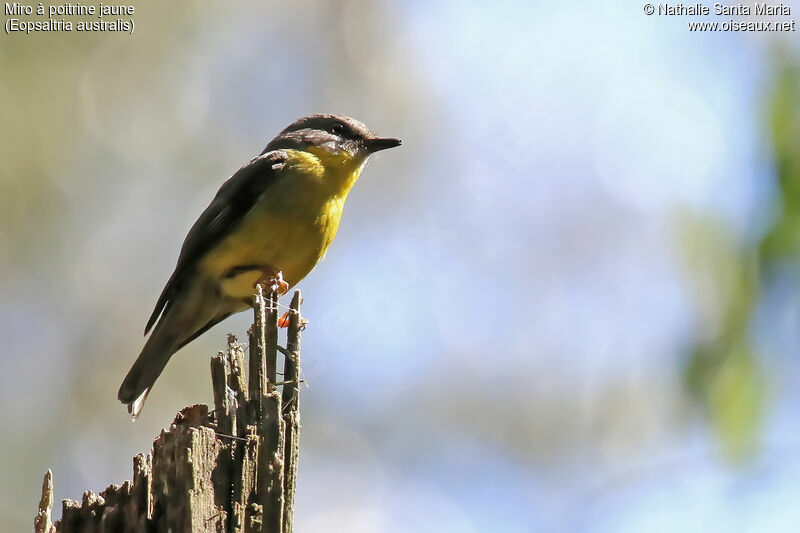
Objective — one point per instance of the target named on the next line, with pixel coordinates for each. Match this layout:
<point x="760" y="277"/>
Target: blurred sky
<point x="496" y="336"/>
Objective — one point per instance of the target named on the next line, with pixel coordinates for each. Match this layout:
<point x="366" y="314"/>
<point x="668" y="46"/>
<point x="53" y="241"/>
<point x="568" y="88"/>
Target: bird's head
<point x="332" y="138"/>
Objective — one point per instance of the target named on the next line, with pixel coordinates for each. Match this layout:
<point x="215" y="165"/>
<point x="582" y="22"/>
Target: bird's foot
<point x="272" y="280"/>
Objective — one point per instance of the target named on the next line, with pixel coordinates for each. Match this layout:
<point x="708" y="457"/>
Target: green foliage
<point x="735" y="400"/>
<point x="724" y="373"/>
<point x="782" y="241"/>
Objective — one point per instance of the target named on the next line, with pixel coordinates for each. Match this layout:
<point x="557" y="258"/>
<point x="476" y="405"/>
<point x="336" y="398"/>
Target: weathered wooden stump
<point x="229" y="470"/>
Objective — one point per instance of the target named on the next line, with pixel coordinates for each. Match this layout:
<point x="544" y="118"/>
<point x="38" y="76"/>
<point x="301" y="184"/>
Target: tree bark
<point x="232" y="469"/>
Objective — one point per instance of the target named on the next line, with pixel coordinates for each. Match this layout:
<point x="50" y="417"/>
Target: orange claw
<point x="283" y="287"/>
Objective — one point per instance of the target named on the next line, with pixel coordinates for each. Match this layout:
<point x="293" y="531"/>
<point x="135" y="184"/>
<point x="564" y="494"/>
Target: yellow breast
<point x="289" y="228"/>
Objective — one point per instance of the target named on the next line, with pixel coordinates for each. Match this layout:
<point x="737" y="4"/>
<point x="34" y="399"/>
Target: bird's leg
<point x="272" y="279"/>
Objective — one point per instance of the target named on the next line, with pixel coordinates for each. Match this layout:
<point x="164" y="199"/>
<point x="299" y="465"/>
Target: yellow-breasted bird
<point x="271" y="222"/>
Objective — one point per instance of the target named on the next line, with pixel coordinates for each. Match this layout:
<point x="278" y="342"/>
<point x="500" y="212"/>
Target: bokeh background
<point x="569" y="302"/>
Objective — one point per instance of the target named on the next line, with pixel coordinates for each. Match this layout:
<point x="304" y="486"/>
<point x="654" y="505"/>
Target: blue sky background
<point x="496" y="337"/>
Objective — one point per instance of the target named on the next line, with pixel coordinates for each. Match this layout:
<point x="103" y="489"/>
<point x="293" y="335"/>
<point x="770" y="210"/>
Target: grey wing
<point x="231" y="203"/>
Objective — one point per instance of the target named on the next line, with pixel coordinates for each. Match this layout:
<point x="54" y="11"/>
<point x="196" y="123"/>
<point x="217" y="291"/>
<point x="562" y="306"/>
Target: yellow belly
<point x="289" y="229"/>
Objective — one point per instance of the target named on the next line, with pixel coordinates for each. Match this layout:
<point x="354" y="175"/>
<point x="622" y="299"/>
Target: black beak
<point x="377" y="144"/>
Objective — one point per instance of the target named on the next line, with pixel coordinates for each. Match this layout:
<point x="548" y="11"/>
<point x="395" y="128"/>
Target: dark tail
<point x="189" y="313"/>
<point x="148" y="366"/>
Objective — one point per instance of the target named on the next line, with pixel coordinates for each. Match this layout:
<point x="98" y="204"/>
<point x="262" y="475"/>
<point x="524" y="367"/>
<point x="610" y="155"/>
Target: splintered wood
<point x="230" y="470"/>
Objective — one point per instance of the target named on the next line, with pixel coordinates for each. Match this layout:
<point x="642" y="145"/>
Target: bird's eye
<point x="337" y="128"/>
